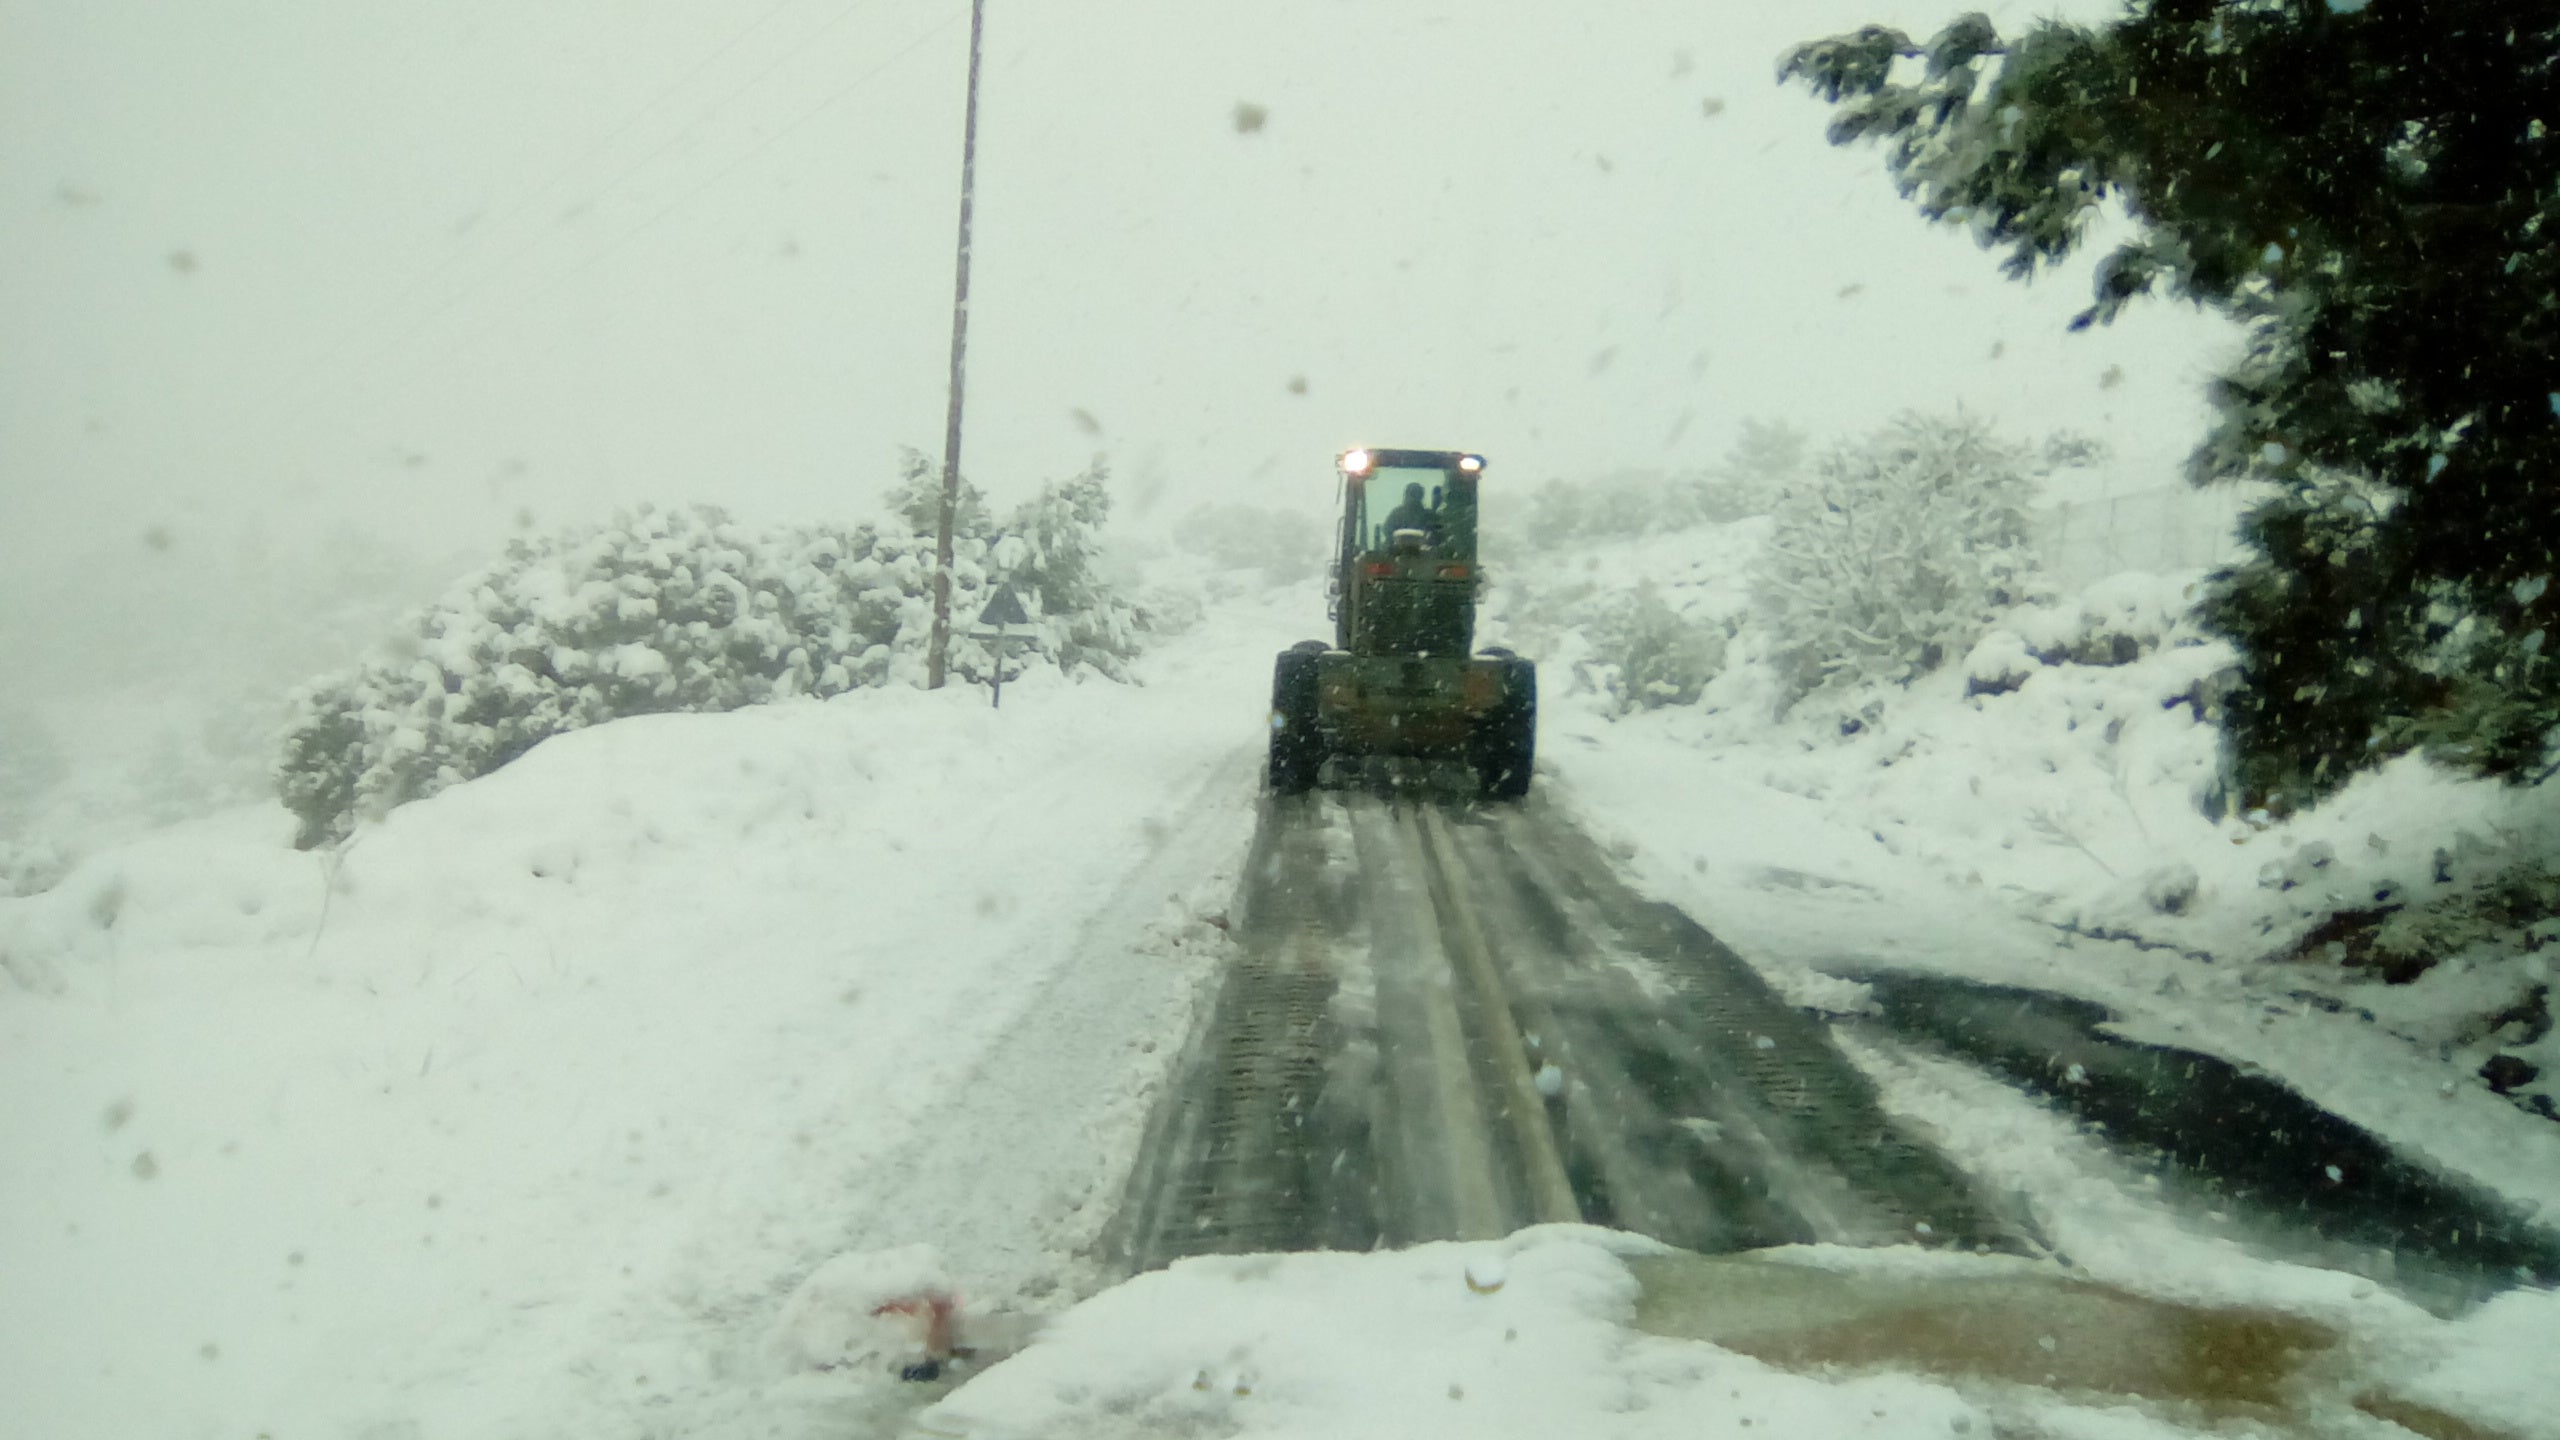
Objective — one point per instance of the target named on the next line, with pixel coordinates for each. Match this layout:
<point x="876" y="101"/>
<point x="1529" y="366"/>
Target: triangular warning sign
<point x="1005" y="608"/>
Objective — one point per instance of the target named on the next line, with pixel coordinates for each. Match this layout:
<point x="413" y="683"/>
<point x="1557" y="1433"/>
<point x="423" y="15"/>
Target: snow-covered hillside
<point x="597" y="1096"/>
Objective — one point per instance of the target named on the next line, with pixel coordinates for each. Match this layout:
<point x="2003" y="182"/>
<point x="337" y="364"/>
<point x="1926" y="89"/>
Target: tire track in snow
<point x="1460" y="1022"/>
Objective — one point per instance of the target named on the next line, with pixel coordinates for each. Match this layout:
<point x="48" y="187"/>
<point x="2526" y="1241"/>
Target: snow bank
<point x="1570" y="1330"/>
<point x="1527" y="1337"/>
<point x="529" y="1111"/>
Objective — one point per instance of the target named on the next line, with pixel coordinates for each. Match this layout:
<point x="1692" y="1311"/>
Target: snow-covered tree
<point x="916" y="498"/>
<point x="1893" y="553"/>
<point x="682" y="610"/>
<point x="2364" y="186"/>
<point x="1050" y="551"/>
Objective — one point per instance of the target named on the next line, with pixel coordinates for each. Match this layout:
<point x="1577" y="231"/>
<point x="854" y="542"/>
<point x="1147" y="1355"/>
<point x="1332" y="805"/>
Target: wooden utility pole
<point x="938" y="654"/>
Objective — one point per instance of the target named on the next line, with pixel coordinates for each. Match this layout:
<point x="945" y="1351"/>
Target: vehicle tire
<point x="1297" y="751"/>
<point x="1504" y="748"/>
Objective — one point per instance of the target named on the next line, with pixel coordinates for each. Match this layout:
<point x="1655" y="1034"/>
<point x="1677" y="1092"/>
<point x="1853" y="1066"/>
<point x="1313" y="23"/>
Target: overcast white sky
<point x="424" y="267"/>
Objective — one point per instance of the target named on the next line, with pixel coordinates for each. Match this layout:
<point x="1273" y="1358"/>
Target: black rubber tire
<point x="1297" y="751"/>
<point x="1504" y="748"/>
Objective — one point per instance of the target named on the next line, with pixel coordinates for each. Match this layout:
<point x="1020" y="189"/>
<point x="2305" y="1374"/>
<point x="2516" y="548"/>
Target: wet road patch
<point x="2001" y="1324"/>
<point x="2225" y="1138"/>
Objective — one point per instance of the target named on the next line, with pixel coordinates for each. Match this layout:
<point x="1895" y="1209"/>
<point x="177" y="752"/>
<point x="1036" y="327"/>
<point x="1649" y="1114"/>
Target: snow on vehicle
<point x="1401" y="677"/>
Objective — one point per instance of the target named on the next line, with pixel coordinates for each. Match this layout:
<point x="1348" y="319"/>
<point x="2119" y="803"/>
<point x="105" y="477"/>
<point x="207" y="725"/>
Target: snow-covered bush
<point x="2464" y="951"/>
<point x="1653" y="655"/>
<point x="682" y="610"/>
<point x="1998" y="663"/>
<point x="1895" y="552"/>
<point x="2398" y="910"/>
<point x="2113" y="622"/>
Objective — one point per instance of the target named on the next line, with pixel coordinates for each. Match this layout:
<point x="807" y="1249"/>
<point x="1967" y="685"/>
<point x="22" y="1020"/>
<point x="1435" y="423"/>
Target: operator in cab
<point x="1413" y="514"/>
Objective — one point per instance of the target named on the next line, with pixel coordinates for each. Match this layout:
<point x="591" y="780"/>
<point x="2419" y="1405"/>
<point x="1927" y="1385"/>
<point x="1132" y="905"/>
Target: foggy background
<point x="310" y="307"/>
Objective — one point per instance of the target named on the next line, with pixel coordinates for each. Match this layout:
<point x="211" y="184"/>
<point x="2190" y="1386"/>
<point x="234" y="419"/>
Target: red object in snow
<point x="934" y="1308"/>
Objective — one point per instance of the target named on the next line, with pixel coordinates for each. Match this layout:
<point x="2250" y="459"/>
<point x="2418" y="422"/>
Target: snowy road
<point x="551" y="1105"/>
<point x="1449" y="1021"/>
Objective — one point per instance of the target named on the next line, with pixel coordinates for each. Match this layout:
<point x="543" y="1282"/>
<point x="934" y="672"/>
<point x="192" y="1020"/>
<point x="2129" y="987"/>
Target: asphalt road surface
<point x="1451" y="1020"/>
<point x="2229" y="1143"/>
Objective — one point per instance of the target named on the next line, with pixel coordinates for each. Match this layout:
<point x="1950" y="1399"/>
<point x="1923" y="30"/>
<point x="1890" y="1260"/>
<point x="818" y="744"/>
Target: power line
<point x="633" y="232"/>
<point x="525" y="201"/>
<point x="492" y="273"/>
<point x="762" y="145"/>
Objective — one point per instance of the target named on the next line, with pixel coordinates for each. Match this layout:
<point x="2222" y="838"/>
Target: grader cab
<point x="1402" y="676"/>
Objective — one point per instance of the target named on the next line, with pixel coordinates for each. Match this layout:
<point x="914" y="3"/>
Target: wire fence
<point x="2164" y="530"/>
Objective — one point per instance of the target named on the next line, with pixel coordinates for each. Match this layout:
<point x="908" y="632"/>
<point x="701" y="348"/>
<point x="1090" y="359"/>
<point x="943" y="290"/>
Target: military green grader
<point x="1402" y="677"/>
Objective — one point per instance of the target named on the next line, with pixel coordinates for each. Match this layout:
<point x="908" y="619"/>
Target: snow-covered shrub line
<point x="683" y="610"/>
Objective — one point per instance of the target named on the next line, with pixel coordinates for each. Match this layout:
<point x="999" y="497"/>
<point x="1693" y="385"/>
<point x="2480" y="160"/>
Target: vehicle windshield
<point x="710" y="707"/>
<point x="1401" y="497"/>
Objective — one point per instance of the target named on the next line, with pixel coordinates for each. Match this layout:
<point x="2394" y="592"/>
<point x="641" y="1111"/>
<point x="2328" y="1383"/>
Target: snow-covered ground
<point x="607" y="1095"/>
<point x="525" y="1114"/>
<point x="2062" y="834"/>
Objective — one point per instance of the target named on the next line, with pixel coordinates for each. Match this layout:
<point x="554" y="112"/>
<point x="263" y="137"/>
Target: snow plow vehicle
<point x="1402" y="677"/>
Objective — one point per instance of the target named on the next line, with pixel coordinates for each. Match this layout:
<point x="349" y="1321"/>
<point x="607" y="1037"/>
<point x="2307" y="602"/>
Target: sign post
<point x="1004" y="609"/>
